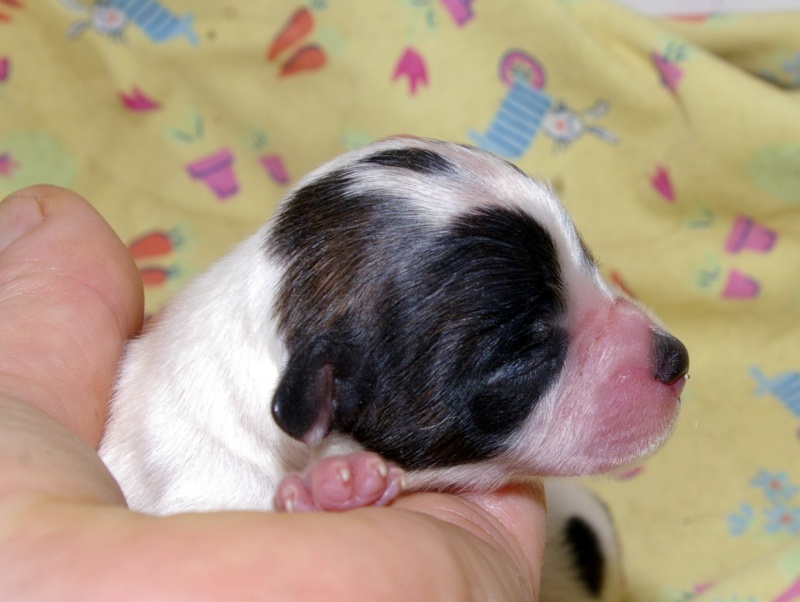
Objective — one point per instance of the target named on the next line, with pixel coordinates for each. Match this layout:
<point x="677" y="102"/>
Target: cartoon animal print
<point x="565" y="125"/>
<point x="527" y="109"/>
<point x="522" y="110"/>
<point x="111" y="17"/>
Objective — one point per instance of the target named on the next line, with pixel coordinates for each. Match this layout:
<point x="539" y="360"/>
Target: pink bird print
<point x="663" y="183"/>
<point x="412" y="66"/>
<point x="138" y="101"/>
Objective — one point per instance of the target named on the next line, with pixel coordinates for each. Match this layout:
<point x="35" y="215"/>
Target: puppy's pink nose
<point x="670" y="361"/>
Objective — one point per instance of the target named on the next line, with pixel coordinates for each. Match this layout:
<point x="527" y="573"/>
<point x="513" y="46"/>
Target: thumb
<point x="70" y="296"/>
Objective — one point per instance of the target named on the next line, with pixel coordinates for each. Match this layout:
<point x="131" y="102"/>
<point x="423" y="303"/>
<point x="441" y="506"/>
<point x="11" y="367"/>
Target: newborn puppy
<point x="417" y="315"/>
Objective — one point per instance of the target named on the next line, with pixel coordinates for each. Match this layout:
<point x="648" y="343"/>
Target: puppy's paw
<point x="341" y="483"/>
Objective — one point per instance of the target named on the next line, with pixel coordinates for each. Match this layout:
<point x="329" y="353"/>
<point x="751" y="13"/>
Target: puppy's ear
<point x="319" y="383"/>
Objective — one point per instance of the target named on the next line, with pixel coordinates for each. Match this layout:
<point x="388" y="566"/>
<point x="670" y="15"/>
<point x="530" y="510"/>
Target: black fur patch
<point x="458" y="329"/>
<point x="316" y="382"/>
<point x="420" y="160"/>
<point x="587" y="556"/>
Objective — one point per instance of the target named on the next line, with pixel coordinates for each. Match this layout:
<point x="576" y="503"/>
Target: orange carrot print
<point x="299" y="25"/>
<point x="13" y="4"/>
<point x="156" y="276"/>
<point x="617" y="279"/>
<point x="307" y="58"/>
<point x="154" y="244"/>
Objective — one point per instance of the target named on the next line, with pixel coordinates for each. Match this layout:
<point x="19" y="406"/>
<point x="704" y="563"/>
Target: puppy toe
<point x="354" y="481"/>
<point x="294" y="495"/>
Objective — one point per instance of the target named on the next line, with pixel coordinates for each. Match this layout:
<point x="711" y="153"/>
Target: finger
<point x="70" y="296"/>
<point x="520" y="512"/>
<point x="513" y="521"/>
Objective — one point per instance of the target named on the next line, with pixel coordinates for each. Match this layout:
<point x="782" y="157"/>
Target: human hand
<point x="70" y="296"/>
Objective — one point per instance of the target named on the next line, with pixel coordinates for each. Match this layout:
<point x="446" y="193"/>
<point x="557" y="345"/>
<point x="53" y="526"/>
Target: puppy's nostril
<point x="670" y="358"/>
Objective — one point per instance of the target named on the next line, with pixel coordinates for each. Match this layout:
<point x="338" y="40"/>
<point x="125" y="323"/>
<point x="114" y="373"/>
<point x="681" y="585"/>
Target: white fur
<point x="193" y="397"/>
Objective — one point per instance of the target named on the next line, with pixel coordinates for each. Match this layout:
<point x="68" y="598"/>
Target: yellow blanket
<point x="675" y="144"/>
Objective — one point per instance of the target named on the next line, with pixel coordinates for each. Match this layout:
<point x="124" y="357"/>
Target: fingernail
<point x="18" y="216"/>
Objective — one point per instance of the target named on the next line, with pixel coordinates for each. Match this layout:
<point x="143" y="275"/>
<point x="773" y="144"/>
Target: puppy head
<point x="439" y="307"/>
